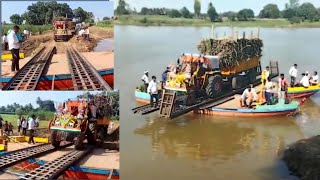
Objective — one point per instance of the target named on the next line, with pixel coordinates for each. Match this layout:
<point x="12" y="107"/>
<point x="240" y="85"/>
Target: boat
<point x="63" y="81"/>
<point x="231" y="107"/>
<point x="302" y="92"/>
<point x="142" y="97"/>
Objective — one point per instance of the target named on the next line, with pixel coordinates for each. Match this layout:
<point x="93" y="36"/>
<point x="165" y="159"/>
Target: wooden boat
<point x="142" y="96"/>
<point x="64" y="81"/>
<point x="302" y="92"/>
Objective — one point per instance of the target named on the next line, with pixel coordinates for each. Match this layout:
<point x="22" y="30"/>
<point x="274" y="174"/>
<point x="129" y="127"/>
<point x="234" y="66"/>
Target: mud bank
<point x="303" y="158"/>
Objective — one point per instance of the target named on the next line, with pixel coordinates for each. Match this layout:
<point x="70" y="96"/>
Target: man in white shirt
<point x="19" y="123"/>
<point x="87" y="33"/>
<point x="250" y="95"/>
<point x="24" y="126"/>
<point x="314" y="79"/>
<point x="305" y="80"/>
<point x="145" y="79"/>
<point x="5" y="41"/>
<point x="153" y="91"/>
<point x="293" y="72"/>
<point x="31" y="127"/>
<point x="14" y="46"/>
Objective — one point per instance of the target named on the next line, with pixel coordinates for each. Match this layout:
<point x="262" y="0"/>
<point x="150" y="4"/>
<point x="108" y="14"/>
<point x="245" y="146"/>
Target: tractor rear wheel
<point x="92" y="133"/>
<point x="214" y="87"/>
<point x="78" y="143"/>
<point x="53" y="140"/>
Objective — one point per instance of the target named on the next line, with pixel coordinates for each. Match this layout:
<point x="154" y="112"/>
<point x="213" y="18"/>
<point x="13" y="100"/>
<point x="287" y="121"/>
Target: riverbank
<point x="302" y="158"/>
<point x="153" y="20"/>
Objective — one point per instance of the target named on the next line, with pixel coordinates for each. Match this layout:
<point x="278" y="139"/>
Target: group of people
<point x="306" y="79"/>
<point x="12" y="42"/>
<point x="151" y="87"/>
<point x="249" y="95"/>
<point x="84" y="32"/>
<point x="22" y="124"/>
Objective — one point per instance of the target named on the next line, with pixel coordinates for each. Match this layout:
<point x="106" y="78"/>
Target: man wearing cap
<point x="293" y="72"/>
<point x="145" y="79"/>
<point x="249" y="94"/>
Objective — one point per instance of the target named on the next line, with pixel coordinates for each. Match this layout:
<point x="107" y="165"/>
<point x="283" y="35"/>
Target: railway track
<point x="14" y="157"/>
<point x="28" y="77"/>
<point x="84" y="75"/>
<point x="53" y="169"/>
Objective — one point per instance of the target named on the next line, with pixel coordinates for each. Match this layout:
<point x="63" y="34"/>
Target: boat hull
<point x="64" y="81"/>
<point x="259" y="111"/>
<point x="301" y="92"/>
<point x="142" y="97"/>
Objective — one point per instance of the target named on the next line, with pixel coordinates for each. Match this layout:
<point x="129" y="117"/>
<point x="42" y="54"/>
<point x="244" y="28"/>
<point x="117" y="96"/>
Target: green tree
<point x="230" y="15"/>
<point x="197" y="7"/>
<point x="307" y="11"/>
<point x="121" y="8"/>
<point x="19" y="112"/>
<point x="212" y="13"/>
<point x="16" y="19"/>
<point x="293" y="4"/>
<point x="245" y="14"/>
<point x="185" y="13"/>
<point x="289" y="13"/>
<point x="270" y="11"/>
<point x="174" y="13"/>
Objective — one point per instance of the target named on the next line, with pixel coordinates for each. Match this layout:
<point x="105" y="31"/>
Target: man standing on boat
<point x="282" y="88"/>
<point x="266" y="74"/>
<point x="293" y="72"/>
<point x="153" y="91"/>
<point x="145" y="79"/>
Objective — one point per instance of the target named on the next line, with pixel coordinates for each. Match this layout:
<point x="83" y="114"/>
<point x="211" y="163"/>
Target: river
<point x="206" y="147"/>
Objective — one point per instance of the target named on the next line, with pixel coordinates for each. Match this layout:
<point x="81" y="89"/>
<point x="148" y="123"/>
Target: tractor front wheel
<point x="53" y="139"/>
<point x="214" y="87"/>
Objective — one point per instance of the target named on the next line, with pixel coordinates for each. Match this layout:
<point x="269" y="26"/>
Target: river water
<point x="206" y="147"/>
<point x="104" y="45"/>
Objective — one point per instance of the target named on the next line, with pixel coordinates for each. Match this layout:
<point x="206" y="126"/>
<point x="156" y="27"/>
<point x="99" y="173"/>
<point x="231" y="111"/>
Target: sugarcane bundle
<point x="231" y="51"/>
<point x="107" y="104"/>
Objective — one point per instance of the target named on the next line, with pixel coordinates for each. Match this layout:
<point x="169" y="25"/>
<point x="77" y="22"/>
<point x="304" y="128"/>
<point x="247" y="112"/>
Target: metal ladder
<point x="167" y="103"/>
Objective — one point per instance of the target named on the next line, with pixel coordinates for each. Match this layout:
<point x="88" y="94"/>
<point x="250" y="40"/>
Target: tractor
<point x="75" y="122"/>
<point x="64" y="29"/>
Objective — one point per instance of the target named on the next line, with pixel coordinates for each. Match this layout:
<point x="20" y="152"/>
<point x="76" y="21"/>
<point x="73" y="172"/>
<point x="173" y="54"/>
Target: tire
<point x="214" y="87"/>
<point x="92" y="133"/>
<point x="101" y="135"/>
<point x="53" y="140"/>
<point x="78" y="143"/>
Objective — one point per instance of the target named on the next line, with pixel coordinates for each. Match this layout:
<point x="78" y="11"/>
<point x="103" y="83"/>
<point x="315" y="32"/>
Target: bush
<point x="295" y="19"/>
<point x="105" y="23"/>
<point x="144" y="20"/>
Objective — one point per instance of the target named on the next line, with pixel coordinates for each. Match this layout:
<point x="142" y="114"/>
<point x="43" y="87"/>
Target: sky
<point x="220" y="5"/>
<point x="26" y="97"/>
<point x="99" y="9"/>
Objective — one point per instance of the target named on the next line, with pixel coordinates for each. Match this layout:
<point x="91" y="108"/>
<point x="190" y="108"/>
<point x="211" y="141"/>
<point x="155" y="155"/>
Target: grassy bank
<point x="105" y="24"/>
<point x="152" y="20"/>
<point x="35" y="29"/>
<point x="13" y="118"/>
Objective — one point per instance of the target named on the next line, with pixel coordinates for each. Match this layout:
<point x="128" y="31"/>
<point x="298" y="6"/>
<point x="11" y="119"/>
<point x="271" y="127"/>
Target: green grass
<point x="35" y="29"/>
<point x="105" y="24"/>
<point x="12" y="118"/>
<point x="154" y="20"/>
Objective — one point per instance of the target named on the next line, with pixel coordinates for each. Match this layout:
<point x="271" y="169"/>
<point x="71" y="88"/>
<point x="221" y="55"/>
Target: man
<point x="14" y="45"/>
<point x="250" y="95"/>
<point x="305" y="80"/>
<point x="93" y="109"/>
<point x="5" y="41"/>
<point x="153" y="91"/>
<point x="315" y="79"/>
<point x="19" y="124"/>
<point x="293" y="72"/>
<point x="87" y="33"/>
<point x="266" y="74"/>
<point x="24" y="125"/>
<point x="283" y="86"/>
<point x="1" y="121"/>
<point x="145" y="79"/>
<point x="31" y="127"/>
<point x="6" y="128"/>
<point x="268" y="90"/>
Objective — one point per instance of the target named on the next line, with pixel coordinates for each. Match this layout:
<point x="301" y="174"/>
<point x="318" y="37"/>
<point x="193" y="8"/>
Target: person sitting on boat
<point x="293" y="72"/>
<point x="268" y="90"/>
<point x="248" y="95"/>
<point x="283" y="86"/>
<point x="145" y="79"/>
<point x="314" y="79"/>
<point x="305" y="81"/>
<point x="153" y="91"/>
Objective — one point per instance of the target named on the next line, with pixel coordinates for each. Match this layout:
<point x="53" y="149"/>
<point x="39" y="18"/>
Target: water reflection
<point x="203" y="138"/>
